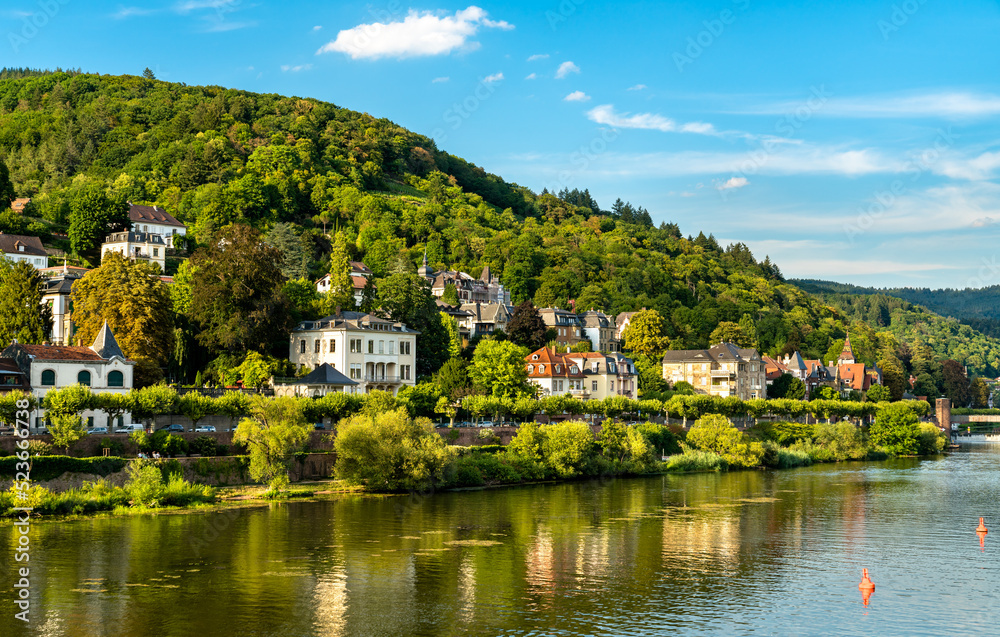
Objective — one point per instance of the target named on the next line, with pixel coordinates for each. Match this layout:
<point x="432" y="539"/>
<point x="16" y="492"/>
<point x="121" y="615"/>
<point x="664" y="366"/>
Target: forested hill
<point x="306" y="172"/>
<point x="976" y="307"/>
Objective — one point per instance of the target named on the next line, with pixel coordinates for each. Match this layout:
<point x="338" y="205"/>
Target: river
<point x="746" y="553"/>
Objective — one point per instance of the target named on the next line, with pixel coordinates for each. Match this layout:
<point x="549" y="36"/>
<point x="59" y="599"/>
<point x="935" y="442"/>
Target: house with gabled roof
<point x="605" y="374"/>
<point x="155" y="220"/>
<point x="555" y="374"/>
<point x="323" y="380"/>
<point x="485" y="318"/>
<point x="722" y="370"/>
<point x="18" y="247"/>
<point x="102" y="367"/>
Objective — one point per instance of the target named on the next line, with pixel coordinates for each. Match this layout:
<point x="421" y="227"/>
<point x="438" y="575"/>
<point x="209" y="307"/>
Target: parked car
<point x="486" y="423"/>
<point x="204" y="429"/>
<point x="127" y="429"/>
<point x="97" y="430"/>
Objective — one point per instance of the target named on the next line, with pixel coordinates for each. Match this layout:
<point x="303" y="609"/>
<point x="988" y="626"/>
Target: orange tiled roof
<point x="61" y="352"/>
<point x="554" y="364"/>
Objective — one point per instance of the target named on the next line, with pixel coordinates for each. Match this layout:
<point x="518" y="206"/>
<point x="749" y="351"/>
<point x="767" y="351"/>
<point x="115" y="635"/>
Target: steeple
<point x="105" y="344"/>
<point x="847" y="354"/>
<point x="425" y="270"/>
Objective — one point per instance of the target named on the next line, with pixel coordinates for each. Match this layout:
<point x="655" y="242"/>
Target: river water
<point x="747" y="553"/>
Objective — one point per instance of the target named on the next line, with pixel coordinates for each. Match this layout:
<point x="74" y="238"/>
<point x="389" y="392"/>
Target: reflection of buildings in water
<point x="467" y="589"/>
<point x="330" y="600"/>
<point x="592" y="553"/>
<point x="540" y="565"/>
<point x="702" y="540"/>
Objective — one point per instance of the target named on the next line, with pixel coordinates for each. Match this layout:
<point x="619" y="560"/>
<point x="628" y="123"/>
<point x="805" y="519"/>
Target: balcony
<point x="382" y="378"/>
<point x="723" y="373"/>
<point x="579" y="393"/>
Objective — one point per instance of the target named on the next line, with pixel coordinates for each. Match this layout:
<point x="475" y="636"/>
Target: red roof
<point x="553" y="364"/>
<point x="152" y="214"/>
<point x="61" y="352"/>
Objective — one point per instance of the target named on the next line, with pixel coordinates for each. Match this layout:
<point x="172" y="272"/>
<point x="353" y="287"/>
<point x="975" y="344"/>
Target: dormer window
<point x="20" y="248"/>
<point x="534" y="357"/>
<point x="541" y="369"/>
<point x="558" y="367"/>
<point x="574" y="370"/>
<point x="531" y="369"/>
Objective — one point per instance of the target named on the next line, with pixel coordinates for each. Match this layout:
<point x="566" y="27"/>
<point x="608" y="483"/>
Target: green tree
<point x="645" y="334"/>
<point x="498" y="368"/>
<point x="148" y="74"/>
<point x="717" y="434"/>
<point x="22" y="315"/>
<point x="273" y="431"/>
<point x="980" y="393"/>
<point x="727" y="332"/>
<point x="956" y="383"/>
<point x="341" y="292"/>
<point x="195" y="406"/>
<point x="71" y="400"/>
<point x="569" y="447"/>
<point x="454" y="338"/>
<point x="7" y="192"/>
<point x="526" y="327"/>
<point x="390" y="451"/>
<point x="879" y="393"/>
<point x="450" y="295"/>
<point x="255" y="370"/>
<point x="136" y="305"/>
<point x="237" y="298"/>
<point x="93" y="216"/>
<point x="287" y="239"/>
<point x="787" y="386"/>
<point x="896" y="430"/>
<point x="152" y="401"/>
<point x="114" y="405"/>
<point x="406" y="298"/>
<point x="453" y="379"/>
<point x="66" y="429"/>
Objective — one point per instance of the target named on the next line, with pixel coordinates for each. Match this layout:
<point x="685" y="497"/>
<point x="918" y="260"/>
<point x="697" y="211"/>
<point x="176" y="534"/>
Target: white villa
<point x="20" y="248"/>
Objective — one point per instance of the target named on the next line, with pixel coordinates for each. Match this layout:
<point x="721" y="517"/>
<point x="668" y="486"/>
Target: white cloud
<point x="439" y="80"/>
<point x="538" y="56"/>
<point x="577" y="96"/>
<point x="733" y="182"/>
<point x="496" y="77"/>
<point x="605" y="114"/>
<point x="531" y="76"/>
<point x="128" y="12"/>
<point x="565" y="69"/>
<point x="942" y="105"/>
<point x="983" y="222"/>
<point x="288" y="68"/>
<point x="419" y="34"/>
<point x="317" y="27"/>
<point x="638" y="87"/>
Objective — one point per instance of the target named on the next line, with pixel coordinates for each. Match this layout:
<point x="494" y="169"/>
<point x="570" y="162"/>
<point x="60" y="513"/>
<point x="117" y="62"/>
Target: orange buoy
<point x="982" y="527"/>
<point x="866" y="584"/>
<point x="866" y="595"/>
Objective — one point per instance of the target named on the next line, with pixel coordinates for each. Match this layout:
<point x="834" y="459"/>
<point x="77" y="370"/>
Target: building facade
<point x="555" y="374"/>
<point x="606" y="375"/>
<point x="569" y="330"/>
<point x="722" y="370"/>
<point x="57" y="295"/>
<point x="375" y="353"/>
<point x="102" y="367"/>
<point x="21" y="248"/>
<point x="138" y="246"/>
<point x="485" y="318"/>
<point x="155" y="220"/>
<point x="600" y="330"/>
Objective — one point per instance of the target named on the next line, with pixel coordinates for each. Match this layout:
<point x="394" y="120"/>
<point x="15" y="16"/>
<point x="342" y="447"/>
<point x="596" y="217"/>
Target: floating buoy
<point x="982" y="527"/>
<point x="866" y="584"/>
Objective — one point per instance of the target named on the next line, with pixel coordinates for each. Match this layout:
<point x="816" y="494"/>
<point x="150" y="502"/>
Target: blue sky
<point x="852" y="141"/>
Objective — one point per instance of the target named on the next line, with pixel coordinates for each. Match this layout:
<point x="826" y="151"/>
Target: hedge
<point x="51" y="467"/>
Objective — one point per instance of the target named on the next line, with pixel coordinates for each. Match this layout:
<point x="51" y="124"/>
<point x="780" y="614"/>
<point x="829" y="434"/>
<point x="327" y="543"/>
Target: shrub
<point x="815" y="452"/>
<point x="390" y="452"/>
<point x="51" y="467"/>
<point x="895" y="430"/>
<point x="843" y="440"/>
<point x="694" y="460"/>
<point x="930" y="440"/>
<point x="568" y="447"/>
<point x="175" y="446"/>
<point x="39" y="448"/>
<point x="145" y="483"/>
<point x="778" y="457"/>
<point x="204" y="446"/>
<point x="716" y="434"/>
<point x="787" y="433"/>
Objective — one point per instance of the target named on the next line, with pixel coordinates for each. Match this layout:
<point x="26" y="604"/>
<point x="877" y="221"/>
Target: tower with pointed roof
<point x="425" y="270"/>
<point x="847" y="354"/>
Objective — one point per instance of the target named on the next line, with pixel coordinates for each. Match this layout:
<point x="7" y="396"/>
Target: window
<point x="355" y="345"/>
<point x="156" y="252"/>
<point x="404" y="348"/>
<point x="392" y="346"/>
<point x="355" y="370"/>
<point x="116" y="379"/>
<point x="371" y="347"/>
<point x="381" y="347"/>
<point x="593" y="385"/>
<point x="83" y="378"/>
<point x="316" y="346"/>
<point x="90" y="422"/>
<point x="541" y="369"/>
<point x="558" y="367"/>
<point x="574" y="370"/>
<point x="333" y="346"/>
<point x="302" y="346"/>
<point x="48" y="377"/>
<point x="531" y="369"/>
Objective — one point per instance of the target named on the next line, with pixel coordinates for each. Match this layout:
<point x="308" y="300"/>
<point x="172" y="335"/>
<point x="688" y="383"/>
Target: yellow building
<point x="723" y="370"/>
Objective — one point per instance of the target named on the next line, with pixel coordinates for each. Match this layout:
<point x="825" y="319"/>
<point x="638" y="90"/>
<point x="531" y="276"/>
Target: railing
<point x="382" y="378"/>
<point x="722" y="373"/>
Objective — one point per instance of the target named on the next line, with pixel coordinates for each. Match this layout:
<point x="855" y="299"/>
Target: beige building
<point x="138" y="246"/>
<point x="567" y="325"/>
<point x="600" y="330"/>
<point x="722" y="370"/>
<point x="375" y="353"/>
<point x="606" y="374"/>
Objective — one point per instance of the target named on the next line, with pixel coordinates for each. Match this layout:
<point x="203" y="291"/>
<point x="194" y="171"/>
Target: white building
<point x="138" y="246"/>
<point x="321" y="381"/>
<point x="154" y="220"/>
<point x="102" y="367"/>
<point x="57" y="295"/>
<point x="374" y="352"/>
<point x="600" y="331"/>
<point x="20" y="248"/>
<point x="360" y="274"/>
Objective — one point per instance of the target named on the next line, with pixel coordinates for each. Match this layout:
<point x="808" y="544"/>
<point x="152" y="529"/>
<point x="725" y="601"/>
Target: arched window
<point x="531" y="369"/>
<point x="541" y="369"/>
<point x="48" y="377"/>
<point x="83" y="378"/>
<point x="116" y="379"/>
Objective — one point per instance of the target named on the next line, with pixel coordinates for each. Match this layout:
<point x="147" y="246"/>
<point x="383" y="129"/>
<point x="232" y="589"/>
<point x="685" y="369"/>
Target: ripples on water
<point x="755" y="553"/>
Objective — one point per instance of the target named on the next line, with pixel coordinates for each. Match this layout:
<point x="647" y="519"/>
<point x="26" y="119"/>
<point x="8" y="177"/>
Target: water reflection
<point x="747" y="552"/>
